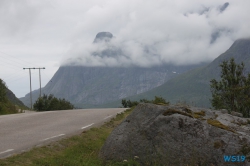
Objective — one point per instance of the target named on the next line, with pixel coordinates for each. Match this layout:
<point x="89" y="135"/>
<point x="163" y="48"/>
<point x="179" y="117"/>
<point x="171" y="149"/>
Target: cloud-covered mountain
<point x="103" y="37"/>
<point x="194" y="86"/>
<point x="89" y="86"/>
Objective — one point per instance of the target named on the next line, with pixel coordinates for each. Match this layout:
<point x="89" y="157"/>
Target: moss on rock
<point x="217" y="144"/>
<point x="201" y="113"/>
<point x="187" y="110"/>
<point x="171" y="111"/>
<point x="216" y="123"/>
<point x="162" y="104"/>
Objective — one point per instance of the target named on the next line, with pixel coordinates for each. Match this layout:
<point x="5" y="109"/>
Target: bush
<point x="157" y="100"/>
<point x="48" y="103"/>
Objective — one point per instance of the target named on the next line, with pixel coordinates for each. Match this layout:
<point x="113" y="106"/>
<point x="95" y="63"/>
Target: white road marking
<point x="87" y="126"/>
<point x="108" y="117"/>
<point x="9" y="150"/>
<point x="53" y="137"/>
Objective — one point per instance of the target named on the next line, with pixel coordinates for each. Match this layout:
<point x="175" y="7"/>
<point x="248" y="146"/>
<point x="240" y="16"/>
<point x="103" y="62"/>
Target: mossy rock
<point x="162" y="104"/>
<point x="216" y="123"/>
<point x="245" y="123"/>
<point x="217" y="144"/>
<point x="199" y="115"/>
<point x="187" y="110"/>
<point x="245" y="150"/>
<point x="196" y="116"/>
<point x="171" y="111"/>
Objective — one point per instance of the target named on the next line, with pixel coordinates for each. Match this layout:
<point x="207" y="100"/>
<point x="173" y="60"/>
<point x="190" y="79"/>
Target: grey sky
<point x="43" y="33"/>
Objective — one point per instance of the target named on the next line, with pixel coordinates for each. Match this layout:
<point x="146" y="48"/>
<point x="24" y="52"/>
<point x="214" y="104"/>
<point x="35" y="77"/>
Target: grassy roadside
<point x="82" y="149"/>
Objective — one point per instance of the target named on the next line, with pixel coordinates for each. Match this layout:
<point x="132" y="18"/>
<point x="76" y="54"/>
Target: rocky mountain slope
<point x="179" y="135"/>
<point x="194" y="86"/>
<point x="91" y="86"/>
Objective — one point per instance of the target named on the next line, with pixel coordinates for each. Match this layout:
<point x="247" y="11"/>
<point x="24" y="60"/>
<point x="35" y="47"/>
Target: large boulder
<point x="178" y="135"/>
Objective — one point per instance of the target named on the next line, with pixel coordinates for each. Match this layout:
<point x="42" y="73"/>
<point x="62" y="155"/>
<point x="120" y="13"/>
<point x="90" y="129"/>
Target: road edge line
<point x="6" y="151"/>
<point x="84" y="127"/>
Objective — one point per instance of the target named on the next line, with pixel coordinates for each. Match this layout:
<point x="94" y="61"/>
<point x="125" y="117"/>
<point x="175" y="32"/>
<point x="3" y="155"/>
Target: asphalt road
<point x="20" y="132"/>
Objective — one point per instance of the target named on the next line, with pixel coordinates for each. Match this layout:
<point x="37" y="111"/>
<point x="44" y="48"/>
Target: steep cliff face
<point x="86" y="86"/>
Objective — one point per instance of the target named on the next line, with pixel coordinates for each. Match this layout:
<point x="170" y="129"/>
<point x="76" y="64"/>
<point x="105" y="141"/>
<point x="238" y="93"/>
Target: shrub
<point x="157" y="100"/>
<point x="48" y="103"/>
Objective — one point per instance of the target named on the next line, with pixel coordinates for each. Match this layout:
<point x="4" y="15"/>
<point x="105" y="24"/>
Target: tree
<point x="158" y="100"/>
<point x="47" y="103"/>
<point x="124" y="103"/>
<point x="6" y="107"/>
<point x="232" y="92"/>
<point x="2" y="91"/>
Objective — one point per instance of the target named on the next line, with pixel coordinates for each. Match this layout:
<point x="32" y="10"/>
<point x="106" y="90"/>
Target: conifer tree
<point x="232" y="92"/>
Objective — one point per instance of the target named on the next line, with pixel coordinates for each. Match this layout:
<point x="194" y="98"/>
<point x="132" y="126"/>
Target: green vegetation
<point x="6" y="107"/>
<point x="48" y="103"/>
<point x="157" y="100"/>
<point x="78" y="150"/>
<point x="128" y="103"/>
<point x="233" y="91"/>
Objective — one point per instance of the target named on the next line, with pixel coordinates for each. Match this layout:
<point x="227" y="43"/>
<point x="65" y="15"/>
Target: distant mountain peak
<point x="224" y="7"/>
<point x="103" y="37"/>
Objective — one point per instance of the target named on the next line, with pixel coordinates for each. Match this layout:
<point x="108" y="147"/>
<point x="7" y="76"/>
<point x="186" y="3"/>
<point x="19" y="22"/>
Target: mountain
<point x="9" y="104"/>
<point x="103" y="36"/>
<point x="91" y="86"/>
<point x="13" y="99"/>
<point x="194" y="86"/>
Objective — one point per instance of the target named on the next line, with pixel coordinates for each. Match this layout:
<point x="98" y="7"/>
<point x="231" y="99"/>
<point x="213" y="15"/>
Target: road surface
<point x="20" y="132"/>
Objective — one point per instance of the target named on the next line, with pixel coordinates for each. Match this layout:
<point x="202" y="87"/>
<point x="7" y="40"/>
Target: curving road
<point x="20" y="132"/>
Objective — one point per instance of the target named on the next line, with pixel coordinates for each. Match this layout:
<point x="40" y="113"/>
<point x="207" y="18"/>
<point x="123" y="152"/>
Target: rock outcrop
<point x="179" y="135"/>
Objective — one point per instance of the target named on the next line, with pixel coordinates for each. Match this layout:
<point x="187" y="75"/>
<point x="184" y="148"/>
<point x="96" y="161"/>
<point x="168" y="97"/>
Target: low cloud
<point x="149" y="33"/>
<point x="146" y="33"/>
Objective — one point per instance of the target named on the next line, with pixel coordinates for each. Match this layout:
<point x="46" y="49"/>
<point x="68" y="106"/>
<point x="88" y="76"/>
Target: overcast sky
<point x="44" y="33"/>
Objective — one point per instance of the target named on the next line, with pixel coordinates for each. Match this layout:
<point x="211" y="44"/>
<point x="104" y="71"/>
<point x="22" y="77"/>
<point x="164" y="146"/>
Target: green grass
<point x="7" y="108"/>
<point x="81" y="149"/>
